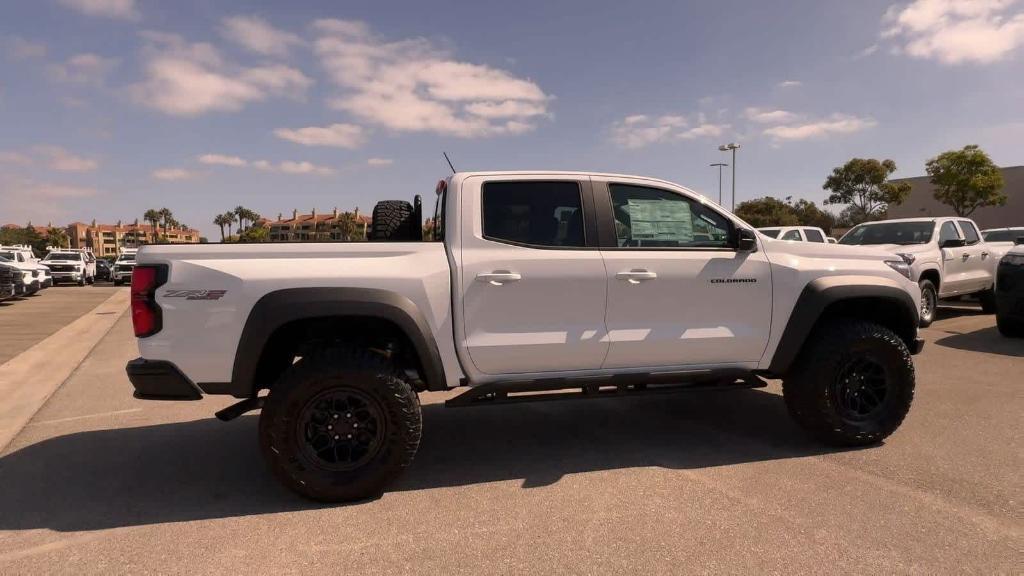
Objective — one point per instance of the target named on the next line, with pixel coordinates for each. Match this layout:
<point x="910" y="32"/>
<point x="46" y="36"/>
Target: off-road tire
<point x="285" y="448"/>
<point x="812" y="393"/>
<point x="928" y="316"/>
<point x="1009" y="327"/>
<point x="393" y="222"/>
<point x="988" y="301"/>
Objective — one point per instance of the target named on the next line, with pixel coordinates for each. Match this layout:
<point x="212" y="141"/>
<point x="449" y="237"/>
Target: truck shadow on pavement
<point x="987" y="340"/>
<point x="206" y="469"/>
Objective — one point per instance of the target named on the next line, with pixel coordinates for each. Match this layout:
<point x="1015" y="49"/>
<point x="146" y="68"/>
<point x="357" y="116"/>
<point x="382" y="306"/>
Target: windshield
<point x="126" y="258"/>
<point x="4" y="258"/>
<point x="771" y="233"/>
<point x="63" y="256"/>
<point x="1003" y="235"/>
<point x="10" y="256"/>
<point x="903" y="233"/>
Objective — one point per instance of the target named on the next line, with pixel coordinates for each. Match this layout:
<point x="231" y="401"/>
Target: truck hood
<point x="901" y="248"/>
<point x="819" y="250"/>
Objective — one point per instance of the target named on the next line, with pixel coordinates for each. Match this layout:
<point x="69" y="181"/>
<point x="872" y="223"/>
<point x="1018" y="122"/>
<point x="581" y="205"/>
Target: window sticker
<point x="663" y="220"/>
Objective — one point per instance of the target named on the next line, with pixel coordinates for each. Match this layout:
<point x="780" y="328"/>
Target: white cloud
<point x="380" y="162"/>
<point x="257" y="35"/>
<point x="286" y="167"/>
<point x="414" y="86"/>
<point x="25" y="199"/>
<point x="834" y="124"/>
<point x="640" y="130"/>
<point x="222" y="160"/>
<point x="190" y="79"/>
<point x="173" y="174"/>
<point x="84" y="68"/>
<point x="118" y="9"/>
<point x="956" y="31"/>
<point x="866" y="52"/>
<point x="763" y="116"/>
<point x="336" y="135"/>
<point x="60" y="159"/>
<point x="21" y="49"/>
<point x="16" y="158"/>
<point x="790" y="84"/>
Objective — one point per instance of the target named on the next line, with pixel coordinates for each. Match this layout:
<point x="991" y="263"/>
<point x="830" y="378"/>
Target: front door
<point x="679" y="293"/>
<point x="955" y="262"/>
<point x="533" y="291"/>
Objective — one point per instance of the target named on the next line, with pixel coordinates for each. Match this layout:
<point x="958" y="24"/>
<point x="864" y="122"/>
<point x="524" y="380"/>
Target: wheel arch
<point x="275" y="312"/>
<point x="876" y="299"/>
<point x="934" y="276"/>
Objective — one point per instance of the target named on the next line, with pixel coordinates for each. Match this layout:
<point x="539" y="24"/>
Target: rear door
<point x="814" y="235"/>
<point x="679" y="293"/>
<point x="980" y="264"/>
<point x="532" y="279"/>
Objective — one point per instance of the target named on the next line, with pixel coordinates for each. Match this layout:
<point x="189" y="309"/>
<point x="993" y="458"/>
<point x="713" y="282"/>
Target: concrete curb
<point x="29" y="379"/>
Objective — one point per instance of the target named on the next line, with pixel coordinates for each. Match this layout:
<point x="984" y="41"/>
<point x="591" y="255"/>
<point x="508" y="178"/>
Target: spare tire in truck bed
<point x="393" y="220"/>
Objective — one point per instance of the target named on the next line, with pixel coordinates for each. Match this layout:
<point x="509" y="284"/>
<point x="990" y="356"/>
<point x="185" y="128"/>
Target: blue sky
<point x="109" y="107"/>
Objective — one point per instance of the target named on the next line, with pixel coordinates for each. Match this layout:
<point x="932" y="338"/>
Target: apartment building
<point x="314" y="227"/>
<point x="107" y="239"/>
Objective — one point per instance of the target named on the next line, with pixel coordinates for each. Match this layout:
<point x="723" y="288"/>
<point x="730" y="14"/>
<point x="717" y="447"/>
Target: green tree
<point x="864" y="183"/>
<point x="221" y="221"/>
<point x="229" y="219"/>
<point x="57" y="237"/>
<point x="966" y="179"/>
<point x="767" y="211"/>
<point x="254" y="234"/>
<point x="808" y="214"/>
<point x="166" y="217"/>
<point x="153" y="217"/>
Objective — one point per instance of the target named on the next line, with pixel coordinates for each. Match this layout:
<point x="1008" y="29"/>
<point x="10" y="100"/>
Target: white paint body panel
<point x="550" y="322"/>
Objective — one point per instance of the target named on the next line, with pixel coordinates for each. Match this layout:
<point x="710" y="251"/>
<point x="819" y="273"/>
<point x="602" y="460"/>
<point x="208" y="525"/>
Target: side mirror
<point x="746" y="241"/>
<point x="1018" y="240"/>
<point x="952" y="243"/>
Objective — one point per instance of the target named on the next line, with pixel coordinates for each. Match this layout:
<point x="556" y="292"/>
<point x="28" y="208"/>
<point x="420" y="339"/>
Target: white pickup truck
<point x="947" y="257"/>
<point x="537" y="285"/>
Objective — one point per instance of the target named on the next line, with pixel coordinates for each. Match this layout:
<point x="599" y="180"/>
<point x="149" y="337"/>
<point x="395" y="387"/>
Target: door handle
<point x="965" y="257"/>
<point x="984" y="255"/>
<point x="636" y="276"/>
<point x="498" y="277"/>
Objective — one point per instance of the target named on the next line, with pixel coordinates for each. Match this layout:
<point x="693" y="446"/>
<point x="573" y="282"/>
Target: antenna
<point x="449" y="162"/>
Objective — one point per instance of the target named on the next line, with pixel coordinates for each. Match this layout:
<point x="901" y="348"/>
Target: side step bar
<point x="510" y="392"/>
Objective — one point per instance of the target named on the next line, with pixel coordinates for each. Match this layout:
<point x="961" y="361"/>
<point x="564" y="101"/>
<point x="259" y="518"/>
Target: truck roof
<point x="922" y="219"/>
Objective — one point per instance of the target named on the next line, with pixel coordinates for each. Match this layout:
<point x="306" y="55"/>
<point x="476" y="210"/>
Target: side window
<point x="948" y="232"/>
<point x="654" y="218"/>
<point x="791" y="235"/>
<point x="813" y="235"/>
<point x="534" y="213"/>
<point x="770" y="233"/>
<point x="970" y="232"/>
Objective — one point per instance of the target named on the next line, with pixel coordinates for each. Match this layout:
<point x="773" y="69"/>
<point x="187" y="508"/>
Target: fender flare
<point x="821" y="293"/>
<point x="280" y="307"/>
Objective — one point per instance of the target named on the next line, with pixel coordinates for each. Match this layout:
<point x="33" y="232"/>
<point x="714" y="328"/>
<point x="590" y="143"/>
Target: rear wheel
<point x="1011" y="328"/>
<point x="929" y="303"/>
<point x="340" y="426"/>
<point x="853" y="385"/>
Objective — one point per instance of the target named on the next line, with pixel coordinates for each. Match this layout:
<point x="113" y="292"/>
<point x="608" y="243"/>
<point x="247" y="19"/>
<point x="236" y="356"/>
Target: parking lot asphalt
<point x="28" y="320"/>
<point x="99" y="482"/>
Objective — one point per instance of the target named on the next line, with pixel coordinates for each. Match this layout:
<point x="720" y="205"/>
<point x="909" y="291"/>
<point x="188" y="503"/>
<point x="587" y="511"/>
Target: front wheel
<point x="340" y="426"/>
<point x="929" y="303"/>
<point x="852" y="385"/>
<point x="1011" y="328"/>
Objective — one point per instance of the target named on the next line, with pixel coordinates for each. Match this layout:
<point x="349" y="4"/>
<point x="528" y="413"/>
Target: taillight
<point x="146" y="316"/>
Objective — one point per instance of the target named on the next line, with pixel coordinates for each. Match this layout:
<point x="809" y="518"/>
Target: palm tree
<point x="166" y="216"/>
<point x="229" y="219"/>
<point x="221" y="220"/>
<point x="57" y="237"/>
<point x="153" y="217"/>
<point x="241" y="213"/>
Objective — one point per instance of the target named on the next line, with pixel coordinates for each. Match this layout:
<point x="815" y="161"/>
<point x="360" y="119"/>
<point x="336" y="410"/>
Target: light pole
<point x="725" y="148"/>
<point x="720" y="165"/>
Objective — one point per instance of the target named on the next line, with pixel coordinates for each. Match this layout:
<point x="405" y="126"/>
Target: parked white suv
<point x="24" y="258"/>
<point x="947" y="257"/>
<point x="123" y="266"/>
<point x="798" y="233"/>
<point x="71" y="266"/>
<point x="539" y="285"/>
<point x="1002" y="240"/>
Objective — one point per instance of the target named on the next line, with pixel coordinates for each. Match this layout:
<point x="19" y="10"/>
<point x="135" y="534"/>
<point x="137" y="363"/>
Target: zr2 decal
<point x="196" y="294"/>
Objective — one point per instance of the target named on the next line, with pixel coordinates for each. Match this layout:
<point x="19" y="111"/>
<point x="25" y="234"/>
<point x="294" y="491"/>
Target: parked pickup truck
<point x="537" y="285"/>
<point x="947" y="257"/>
